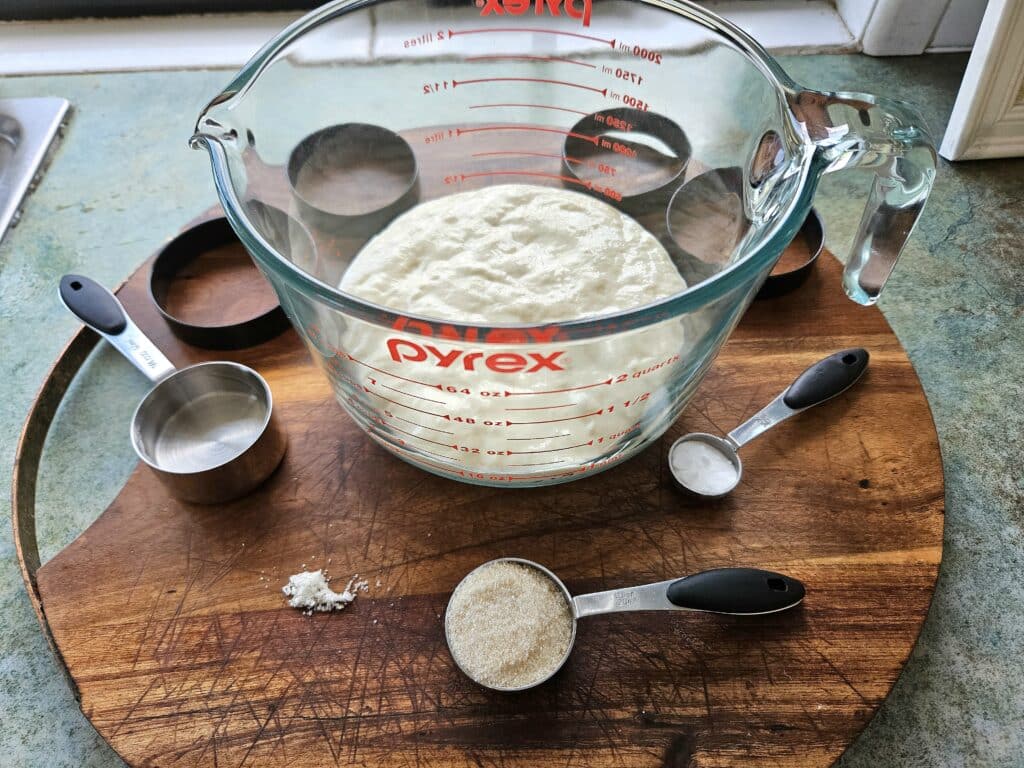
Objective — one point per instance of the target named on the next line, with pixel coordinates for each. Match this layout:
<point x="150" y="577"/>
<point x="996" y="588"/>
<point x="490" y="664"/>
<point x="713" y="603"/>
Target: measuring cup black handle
<point x="93" y="304"/>
<point x="99" y="309"/>
<point x="738" y="591"/>
<point x="827" y="378"/>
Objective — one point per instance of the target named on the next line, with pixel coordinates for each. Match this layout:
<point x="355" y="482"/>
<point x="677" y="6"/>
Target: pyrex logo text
<point x="520" y="7"/>
<point x="402" y="350"/>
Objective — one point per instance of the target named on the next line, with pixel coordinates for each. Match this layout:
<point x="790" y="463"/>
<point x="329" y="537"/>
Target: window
<point x="37" y="10"/>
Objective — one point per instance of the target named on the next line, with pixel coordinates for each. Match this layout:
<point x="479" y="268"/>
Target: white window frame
<point x="878" y="27"/>
<point x="988" y="117"/>
<point x="912" y="27"/>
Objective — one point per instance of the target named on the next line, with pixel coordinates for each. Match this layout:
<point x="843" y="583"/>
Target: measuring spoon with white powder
<point x="709" y="466"/>
<point x="511" y="623"/>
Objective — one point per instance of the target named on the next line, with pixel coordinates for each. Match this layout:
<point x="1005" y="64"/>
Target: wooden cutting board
<point x="171" y="624"/>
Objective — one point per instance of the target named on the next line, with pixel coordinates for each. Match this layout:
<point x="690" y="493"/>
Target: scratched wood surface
<point x="171" y="623"/>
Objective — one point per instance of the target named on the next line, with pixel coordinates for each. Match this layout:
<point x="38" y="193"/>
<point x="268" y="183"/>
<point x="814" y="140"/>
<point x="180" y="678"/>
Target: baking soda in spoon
<point x="709" y="466"/>
<point x="703" y="468"/>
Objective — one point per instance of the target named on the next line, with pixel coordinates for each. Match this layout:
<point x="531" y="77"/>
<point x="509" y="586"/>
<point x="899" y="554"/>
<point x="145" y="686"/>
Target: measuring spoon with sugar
<point x="730" y="591"/>
<point x="709" y="466"/>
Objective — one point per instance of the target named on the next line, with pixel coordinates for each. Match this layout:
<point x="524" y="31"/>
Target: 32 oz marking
<point x="483" y="451"/>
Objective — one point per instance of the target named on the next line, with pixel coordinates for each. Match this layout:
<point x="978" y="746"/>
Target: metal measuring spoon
<point x="731" y="591"/>
<point x="208" y="430"/>
<point x="709" y="465"/>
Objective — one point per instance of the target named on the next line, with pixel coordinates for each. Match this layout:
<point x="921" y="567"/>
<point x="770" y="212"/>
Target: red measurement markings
<point x="572" y="472"/>
<point x="569" y="179"/>
<point x="533" y="30"/>
<point x="532" y="477"/>
<point x="542" y="407"/>
<point x="538" y="463"/>
<point x="364" y="410"/>
<point x="508" y="56"/>
<point x="577" y="161"/>
<point x="403" y="405"/>
<point x="439" y="456"/>
<point x="387" y="373"/>
<point x="535" y="154"/>
<point x="606" y="382"/>
<point x="535" y="106"/>
<point x="410" y="394"/>
<point x="419" y="457"/>
<point x="542" y="437"/>
<point x="567" y="418"/>
<point x="477" y="81"/>
<point x="376" y="418"/>
<point x="422" y="426"/>
<point x="418" y="437"/>
<point x="338" y="371"/>
<point x="606" y="191"/>
<point x="553" y="450"/>
<point x="592" y="139"/>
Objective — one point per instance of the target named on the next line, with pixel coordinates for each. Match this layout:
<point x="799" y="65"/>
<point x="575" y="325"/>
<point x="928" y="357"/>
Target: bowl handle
<point x="890" y="137"/>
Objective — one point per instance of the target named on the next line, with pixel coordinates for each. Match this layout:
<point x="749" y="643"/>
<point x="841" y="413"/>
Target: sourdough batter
<point x="513" y="254"/>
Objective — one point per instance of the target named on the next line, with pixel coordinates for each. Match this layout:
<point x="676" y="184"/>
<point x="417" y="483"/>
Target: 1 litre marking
<point x="584" y="137"/>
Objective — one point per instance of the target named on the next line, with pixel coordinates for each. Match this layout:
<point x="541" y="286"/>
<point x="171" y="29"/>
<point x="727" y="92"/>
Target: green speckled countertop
<point x="124" y="181"/>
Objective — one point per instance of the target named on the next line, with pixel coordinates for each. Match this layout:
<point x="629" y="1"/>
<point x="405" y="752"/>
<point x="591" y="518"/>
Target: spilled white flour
<point x="310" y="592"/>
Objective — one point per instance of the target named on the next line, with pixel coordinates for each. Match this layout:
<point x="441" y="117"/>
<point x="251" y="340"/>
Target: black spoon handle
<point x="99" y="309"/>
<point x="827" y="378"/>
<point x="739" y="591"/>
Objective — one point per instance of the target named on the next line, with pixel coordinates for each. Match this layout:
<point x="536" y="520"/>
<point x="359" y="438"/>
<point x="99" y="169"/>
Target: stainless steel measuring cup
<point x="827" y="378"/>
<point x="731" y="591"/>
<point x="208" y="431"/>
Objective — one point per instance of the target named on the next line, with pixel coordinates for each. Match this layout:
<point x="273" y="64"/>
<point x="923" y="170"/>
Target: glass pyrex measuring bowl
<point x="657" y="107"/>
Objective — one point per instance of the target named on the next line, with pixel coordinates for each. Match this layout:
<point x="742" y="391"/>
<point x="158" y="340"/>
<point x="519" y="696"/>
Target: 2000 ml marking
<point x="441" y="35"/>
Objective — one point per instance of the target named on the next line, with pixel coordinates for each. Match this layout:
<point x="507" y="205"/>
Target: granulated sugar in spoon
<point x="511" y="623"/>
